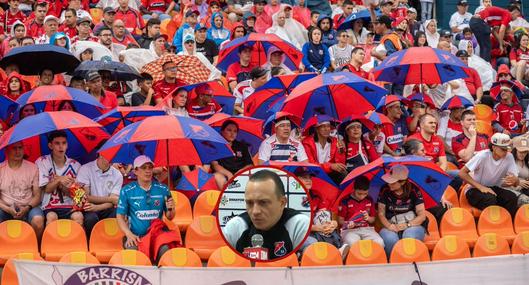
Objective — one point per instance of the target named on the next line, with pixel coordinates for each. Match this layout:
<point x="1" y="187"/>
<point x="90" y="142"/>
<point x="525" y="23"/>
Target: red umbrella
<point x="120" y="117"/>
<point x="250" y="129"/>
<point x="192" y="182"/>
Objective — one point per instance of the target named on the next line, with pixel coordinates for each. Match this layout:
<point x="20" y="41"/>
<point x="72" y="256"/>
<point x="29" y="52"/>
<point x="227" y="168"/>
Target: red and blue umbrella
<point x="168" y="141"/>
<point x="250" y="129"/>
<point x="388" y="99"/>
<point x="260" y="44"/>
<point x="83" y="134"/>
<point x="192" y="182"/>
<point x="426" y="175"/>
<point x="50" y="97"/>
<point x="220" y="94"/>
<point x="7" y="108"/>
<point x="312" y="122"/>
<point x="338" y="95"/>
<point x="496" y="86"/>
<point x="421" y="97"/>
<point x="363" y="15"/>
<point x="272" y="93"/>
<point x="269" y="123"/>
<point x="368" y="120"/>
<point x="32" y="59"/>
<point x="420" y="65"/>
<point x="456" y="102"/>
<point x="120" y="117"/>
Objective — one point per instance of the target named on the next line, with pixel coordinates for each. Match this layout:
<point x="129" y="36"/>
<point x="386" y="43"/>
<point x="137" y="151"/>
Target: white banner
<point x="504" y="270"/>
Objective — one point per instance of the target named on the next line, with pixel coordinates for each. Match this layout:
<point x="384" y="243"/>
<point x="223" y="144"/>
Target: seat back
<point x="321" y="254"/>
<point x="408" y="250"/>
<point x="521" y="243"/>
<point x="96" y="14"/>
<point x="183" y="212"/>
<point x="224" y="256"/>
<point x="496" y="219"/>
<point x="521" y="219"/>
<point x="433" y="231"/>
<point x="205" y="203"/>
<point x="459" y="222"/>
<point x="9" y="273"/>
<point x="61" y="237"/>
<point x="79" y="257"/>
<point x="290" y="261"/>
<point x="129" y="257"/>
<point x="450" y="247"/>
<point x="491" y="244"/>
<point x="203" y="236"/>
<point x="366" y="252"/>
<point x="16" y="236"/>
<point x="450" y="195"/>
<point x="106" y="239"/>
<point x="180" y="257"/>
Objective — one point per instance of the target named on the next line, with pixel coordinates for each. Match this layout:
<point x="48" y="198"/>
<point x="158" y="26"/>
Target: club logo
<point x="102" y="275"/>
<point x="279" y="248"/>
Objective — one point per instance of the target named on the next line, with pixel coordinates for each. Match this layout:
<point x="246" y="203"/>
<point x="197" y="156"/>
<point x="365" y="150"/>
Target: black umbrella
<point x="119" y="71"/>
<point x="34" y="58"/>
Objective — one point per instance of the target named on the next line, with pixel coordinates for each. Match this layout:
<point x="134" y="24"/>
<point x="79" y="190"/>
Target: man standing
<point x="131" y="18"/>
<point x="244" y="89"/>
<point x="20" y="194"/>
<point x="433" y="145"/>
<point x="35" y="26"/>
<point x="281" y="146"/>
<point x="169" y="83"/>
<point x="481" y="25"/>
<point x="69" y="25"/>
<point x="347" y="8"/>
<point x="109" y="15"/>
<point x="95" y="88"/>
<point x="468" y="143"/>
<point x="460" y="19"/>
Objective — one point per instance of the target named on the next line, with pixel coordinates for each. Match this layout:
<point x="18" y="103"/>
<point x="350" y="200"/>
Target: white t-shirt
<point x="460" y="21"/>
<point x="242" y="91"/>
<point x="340" y="56"/>
<point x="47" y="171"/>
<point x="100" y="184"/>
<point x="324" y="152"/>
<point x="272" y="150"/>
<point x="489" y="172"/>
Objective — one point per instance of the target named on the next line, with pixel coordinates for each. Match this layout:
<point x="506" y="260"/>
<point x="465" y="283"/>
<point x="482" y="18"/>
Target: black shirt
<point x="137" y="99"/>
<point x="399" y="205"/>
<point x="241" y="159"/>
<point x="208" y="48"/>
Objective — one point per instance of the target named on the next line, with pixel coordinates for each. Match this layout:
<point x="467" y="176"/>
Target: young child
<point x="356" y="214"/>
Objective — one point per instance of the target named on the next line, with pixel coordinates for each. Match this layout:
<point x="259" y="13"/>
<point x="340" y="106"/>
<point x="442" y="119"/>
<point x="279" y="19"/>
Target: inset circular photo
<point x="264" y="214"/>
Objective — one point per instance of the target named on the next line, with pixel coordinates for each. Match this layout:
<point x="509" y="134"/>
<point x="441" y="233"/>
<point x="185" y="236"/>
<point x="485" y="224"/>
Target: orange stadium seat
<point x="459" y="222"/>
<point x="408" y="250"/>
<point x="366" y="252"/>
<point x="61" y="237"/>
<point x="15" y="237"/>
<point x="521" y="219"/>
<point x="79" y="257"/>
<point x="495" y="219"/>
<point x="106" y="239"/>
<point x="483" y="112"/>
<point x="321" y="254"/>
<point x="433" y="231"/>
<point x="463" y="203"/>
<point x="450" y="247"/>
<point x="290" y="261"/>
<point x="183" y="213"/>
<point x="129" y="257"/>
<point x="521" y="243"/>
<point x="205" y="203"/>
<point x="450" y="195"/>
<point x="484" y="127"/>
<point x="180" y="257"/>
<point x="491" y="244"/>
<point x="9" y="273"/>
<point x="203" y="236"/>
<point x="96" y="14"/>
<point x="224" y="256"/>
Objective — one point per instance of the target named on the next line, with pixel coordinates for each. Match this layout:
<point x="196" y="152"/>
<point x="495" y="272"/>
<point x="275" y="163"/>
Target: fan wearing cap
<point x="473" y="81"/>
<point x="131" y="17"/>
<point x="109" y="15"/>
<point x="203" y="106"/>
<point x="490" y="173"/>
<point x="141" y="202"/>
<point x="259" y="76"/>
<point x="390" y="41"/>
<point x="400" y="208"/>
<point x="281" y="146"/>
<point x="190" y="49"/>
<point x="204" y="45"/>
<point x="84" y="32"/>
<point x="94" y="83"/>
<point x="35" y="26"/>
<point x="460" y="19"/>
<point x="51" y="25"/>
<point x="520" y="153"/>
<point x="188" y="27"/>
<point x="450" y="127"/>
<point x="509" y="113"/>
<point x="396" y="133"/>
<point x="11" y="15"/>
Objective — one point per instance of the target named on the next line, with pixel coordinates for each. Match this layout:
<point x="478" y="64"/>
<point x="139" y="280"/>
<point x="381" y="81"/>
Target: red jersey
<point x="461" y="141"/>
<point x="9" y="19"/>
<point x="69" y="31"/>
<point x="350" y="210"/>
<point x="163" y="88"/>
<point x="518" y="54"/>
<point x="368" y="149"/>
<point x="473" y="81"/>
<point x="109" y="100"/>
<point x="237" y="72"/>
<point x="127" y="39"/>
<point x="509" y="117"/>
<point x="156" y="5"/>
<point x="496" y="16"/>
<point x="131" y="18"/>
<point x="360" y="72"/>
<point x="338" y="20"/>
<point x="202" y="113"/>
<point x="34" y="29"/>
<point x="395" y="134"/>
<point x="434" y="148"/>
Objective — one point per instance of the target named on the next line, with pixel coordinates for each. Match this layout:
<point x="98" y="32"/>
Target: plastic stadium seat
<point x="180" y="257"/>
<point x="129" y="257"/>
<point x="495" y="219"/>
<point x="15" y="237"/>
<point x="321" y="254"/>
<point x="408" y="250"/>
<point x="491" y="244"/>
<point x="521" y="219"/>
<point x="366" y="252"/>
<point x="61" y="237"/>
<point x="96" y="14"/>
<point x="451" y="166"/>
<point x="450" y="247"/>
<point x="463" y="203"/>
<point x="203" y="236"/>
<point x="79" y="257"/>
<point x="205" y="203"/>
<point x="9" y="273"/>
<point x="521" y="243"/>
<point x="106" y="239"/>
<point x="484" y="127"/>
<point x="483" y="112"/>
<point x="459" y="222"/>
<point x="183" y="213"/>
<point x="225" y="257"/>
<point x="433" y="232"/>
<point x="450" y="195"/>
<point x="289" y="261"/>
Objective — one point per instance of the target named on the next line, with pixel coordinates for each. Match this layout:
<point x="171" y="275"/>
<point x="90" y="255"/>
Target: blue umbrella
<point x="31" y="60"/>
<point x="363" y="15"/>
<point x="7" y="107"/>
<point x="456" y="102"/>
<point x="118" y="71"/>
<point x="120" y="117"/>
<point x="221" y="95"/>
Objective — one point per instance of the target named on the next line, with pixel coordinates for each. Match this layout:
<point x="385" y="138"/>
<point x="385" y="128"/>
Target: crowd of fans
<point x="491" y="169"/>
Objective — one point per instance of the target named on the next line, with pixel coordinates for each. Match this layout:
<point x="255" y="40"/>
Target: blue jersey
<point x="141" y="207"/>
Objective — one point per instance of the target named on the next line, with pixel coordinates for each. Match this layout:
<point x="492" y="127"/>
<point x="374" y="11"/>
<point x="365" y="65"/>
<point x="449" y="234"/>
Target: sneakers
<point x="344" y="251"/>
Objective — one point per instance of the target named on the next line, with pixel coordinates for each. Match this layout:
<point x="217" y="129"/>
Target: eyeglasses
<point x="189" y="42"/>
<point x="171" y="68"/>
<point x="345" y="36"/>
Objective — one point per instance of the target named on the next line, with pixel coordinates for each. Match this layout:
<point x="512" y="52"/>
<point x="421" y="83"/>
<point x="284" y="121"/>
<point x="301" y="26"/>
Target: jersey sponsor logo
<point x="394" y="139"/>
<point x="279" y="248"/>
<point x="147" y="215"/>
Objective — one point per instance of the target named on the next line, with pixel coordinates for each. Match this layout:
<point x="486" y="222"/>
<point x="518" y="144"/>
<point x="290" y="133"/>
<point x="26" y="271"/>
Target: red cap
<point x="204" y="89"/>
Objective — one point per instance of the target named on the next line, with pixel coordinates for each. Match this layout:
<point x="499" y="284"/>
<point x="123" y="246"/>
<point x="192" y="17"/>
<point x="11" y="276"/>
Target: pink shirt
<point x="16" y="185"/>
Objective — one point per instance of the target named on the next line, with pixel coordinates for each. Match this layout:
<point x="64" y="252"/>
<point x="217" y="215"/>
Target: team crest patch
<point x="156" y="202"/>
<point x="279" y="248"/>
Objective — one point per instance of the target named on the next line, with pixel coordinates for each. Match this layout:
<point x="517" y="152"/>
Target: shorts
<point x="62" y="213"/>
<point x="34" y="212"/>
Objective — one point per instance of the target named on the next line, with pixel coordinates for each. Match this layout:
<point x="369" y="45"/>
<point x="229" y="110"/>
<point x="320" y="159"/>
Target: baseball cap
<point x="109" y="10"/>
<point x="191" y="12"/>
<point x="258" y="72"/>
<point x="200" y="26"/>
<point x="141" y="160"/>
<point x="462" y="53"/>
<point x="501" y="140"/>
<point x="386" y="3"/>
<point x="157" y="36"/>
<point x="462" y="3"/>
<point x="51" y="17"/>
<point x="204" y="89"/>
<point x="445" y="33"/>
<point x="302" y="171"/>
<point x="521" y="143"/>
<point x="397" y="173"/>
<point x="93" y="76"/>
<point x="412" y="10"/>
<point x="189" y="37"/>
<point x="83" y="20"/>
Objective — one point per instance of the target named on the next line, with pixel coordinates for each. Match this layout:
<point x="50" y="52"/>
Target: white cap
<point x="141" y="160"/>
<point x="397" y="172"/>
<point x="51" y="17"/>
<point x="501" y="140"/>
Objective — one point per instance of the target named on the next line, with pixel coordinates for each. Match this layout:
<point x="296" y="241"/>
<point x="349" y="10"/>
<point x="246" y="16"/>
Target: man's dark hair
<point x="153" y="21"/>
<point x="513" y="8"/>
<point x="56" y="134"/>
<point x="104" y="28"/>
<point x="44" y="69"/>
<point x="356" y="49"/>
<point x="347" y="2"/>
<point x="466" y="30"/>
<point x="264" y="175"/>
<point x="275" y="70"/>
<point x="467" y="113"/>
<point x="227" y="123"/>
<point x="361" y="183"/>
<point x="76" y="78"/>
<point x="314" y="13"/>
<point x="72" y="10"/>
<point x="41" y="4"/>
<point x="144" y="77"/>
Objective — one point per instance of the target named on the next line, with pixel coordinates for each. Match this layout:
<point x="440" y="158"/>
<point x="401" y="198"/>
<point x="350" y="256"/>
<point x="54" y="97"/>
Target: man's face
<point x="500" y="152"/>
<point x="46" y="77"/>
<point x="144" y="172"/>
<point x="169" y="70"/>
<point x="343" y="38"/>
<point x="263" y="205"/>
<point x="154" y="30"/>
<point x="394" y="111"/>
<point x="429" y="125"/>
<point x="462" y="9"/>
<point x="78" y="84"/>
<point x="360" y="194"/>
<point x="119" y="28"/>
<point x="246" y="54"/>
<point x="109" y="17"/>
<point x="239" y="32"/>
<point x="27" y="42"/>
<point x="325" y="24"/>
<point x="306" y="179"/>
<point x="259" y="7"/>
<point x="84" y="28"/>
<point x="281" y="19"/>
<point x="95" y="84"/>
<point x="51" y="27"/>
<point x="506" y="95"/>
<point x="14" y="4"/>
<point x="283" y="130"/>
<point x="70" y="18"/>
<point x="40" y="13"/>
<point x="324" y="130"/>
<point x="214" y="9"/>
<point x="379" y="27"/>
<point x="464" y="59"/>
<point x="58" y="146"/>
<point x="348" y="9"/>
<point x="200" y="35"/>
<point x="314" y="18"/>
<point x="412" y="16"/>
<point x="192" y="20"/>
<point x="105" y="37"/>
<point x="205" y="98"/>
<point x="123" y="3"/>
<point x="75" y="4"/>
<point x="15" y="152"/>
<point x="359" y="55"/>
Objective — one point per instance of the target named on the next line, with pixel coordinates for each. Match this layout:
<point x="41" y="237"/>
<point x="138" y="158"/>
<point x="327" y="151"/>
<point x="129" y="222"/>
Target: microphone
<point x="256" y="251"/>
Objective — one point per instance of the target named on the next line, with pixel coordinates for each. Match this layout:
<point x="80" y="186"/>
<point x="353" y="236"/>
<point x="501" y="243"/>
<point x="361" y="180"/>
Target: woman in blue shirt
<point x="315" y="54"/>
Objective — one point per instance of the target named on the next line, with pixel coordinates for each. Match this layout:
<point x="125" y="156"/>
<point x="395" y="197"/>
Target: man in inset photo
<point x="267" y="225"/>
